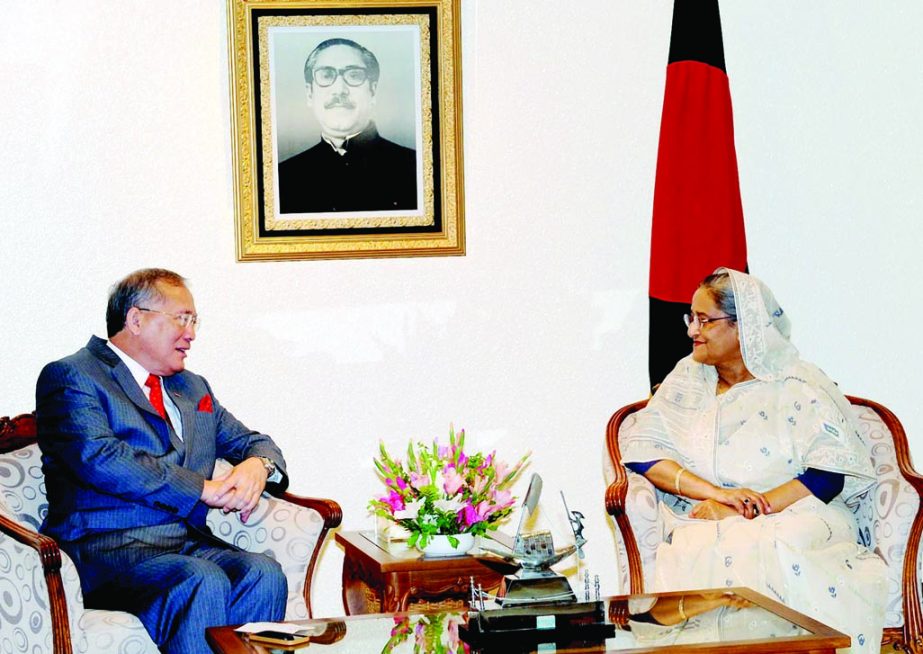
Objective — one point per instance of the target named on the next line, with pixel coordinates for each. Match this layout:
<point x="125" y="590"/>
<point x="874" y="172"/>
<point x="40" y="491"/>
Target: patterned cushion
<point x="284" y="531"/>
<point x="22" y="485"/>
<point x="113" y="632"/>
<point x="74" y="597"/>
<point x="884" y="514"/>
<point x="25" y="624"/>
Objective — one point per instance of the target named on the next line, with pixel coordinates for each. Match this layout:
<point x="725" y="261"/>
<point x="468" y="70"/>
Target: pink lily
<point x="453" y="481"/>
<point x="394" y="500"/>
<point x="478" y="486"/>
<point x="503" y="499"/>
<point x="468" y="516"/>
<point x="484" y="509"/>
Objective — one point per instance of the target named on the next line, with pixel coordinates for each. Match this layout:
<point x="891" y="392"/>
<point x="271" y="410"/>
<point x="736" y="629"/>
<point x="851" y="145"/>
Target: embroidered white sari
<point x="761" y="434"/>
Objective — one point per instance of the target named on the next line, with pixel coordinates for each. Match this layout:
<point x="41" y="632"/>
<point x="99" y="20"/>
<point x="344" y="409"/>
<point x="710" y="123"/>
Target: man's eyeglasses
<point x="181" y="319"/>
<point x="352" y="75"/>
<point x="703" y="322"/>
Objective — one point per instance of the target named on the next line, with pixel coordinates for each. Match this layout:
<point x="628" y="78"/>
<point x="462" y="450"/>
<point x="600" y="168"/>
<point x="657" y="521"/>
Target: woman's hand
<point x="744" y="501"/>
<point x="712" y="510"/>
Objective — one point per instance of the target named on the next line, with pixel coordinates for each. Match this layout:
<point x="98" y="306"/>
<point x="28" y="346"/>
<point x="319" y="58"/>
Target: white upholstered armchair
<point x="41" y="605"/>
<point x="889" y="515"/>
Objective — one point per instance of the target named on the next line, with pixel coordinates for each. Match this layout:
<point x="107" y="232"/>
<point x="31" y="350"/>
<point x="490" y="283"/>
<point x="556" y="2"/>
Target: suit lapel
<point x="178" y="393"/>
<point x="122" y="376"/>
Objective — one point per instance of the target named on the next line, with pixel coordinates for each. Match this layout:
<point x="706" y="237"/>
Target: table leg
<point x="396" y="595"/>
<point x="355" y="597"/>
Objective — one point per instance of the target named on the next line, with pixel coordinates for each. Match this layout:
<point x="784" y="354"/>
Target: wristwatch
<point x="269" y="464"/>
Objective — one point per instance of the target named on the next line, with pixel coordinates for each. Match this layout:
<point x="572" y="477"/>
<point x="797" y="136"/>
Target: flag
<point x="697" y="222"/>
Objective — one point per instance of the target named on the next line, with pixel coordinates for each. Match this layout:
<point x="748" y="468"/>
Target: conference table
<point x="724" y="621"/>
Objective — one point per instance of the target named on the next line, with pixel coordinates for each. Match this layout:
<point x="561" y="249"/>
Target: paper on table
<point x="284" y="627"/>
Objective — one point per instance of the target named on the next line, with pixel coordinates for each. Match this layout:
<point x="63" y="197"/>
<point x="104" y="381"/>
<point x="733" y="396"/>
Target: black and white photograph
<point x="346" y="105"/>
<point x="347" y="125"/>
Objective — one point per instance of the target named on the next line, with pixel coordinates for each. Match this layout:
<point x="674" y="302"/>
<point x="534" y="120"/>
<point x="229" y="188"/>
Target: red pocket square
<point x="205" y="404"/>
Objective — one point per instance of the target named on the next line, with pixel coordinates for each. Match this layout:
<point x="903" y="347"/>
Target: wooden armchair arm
<point x="618" y="491"/>
<point x="50" y="558"/>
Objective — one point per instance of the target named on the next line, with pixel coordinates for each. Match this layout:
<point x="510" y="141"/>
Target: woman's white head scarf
<point x="763" y="326"/>
<point x="764" y="330"/>
<point x="669" y="424"/>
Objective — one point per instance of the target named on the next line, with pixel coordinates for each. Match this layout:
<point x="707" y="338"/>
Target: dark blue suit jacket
<point x="111" y="462"/>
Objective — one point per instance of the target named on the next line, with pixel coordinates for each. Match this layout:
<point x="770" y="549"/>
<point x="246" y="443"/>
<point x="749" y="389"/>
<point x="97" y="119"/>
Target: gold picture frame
<point x="305" y="188"/>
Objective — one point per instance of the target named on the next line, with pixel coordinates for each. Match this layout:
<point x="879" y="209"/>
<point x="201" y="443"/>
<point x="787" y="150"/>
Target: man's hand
<point x="237" y="490"/>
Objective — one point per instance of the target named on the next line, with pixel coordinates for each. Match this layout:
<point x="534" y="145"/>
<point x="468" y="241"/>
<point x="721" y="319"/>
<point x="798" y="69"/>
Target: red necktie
<point x="153" y="383"/>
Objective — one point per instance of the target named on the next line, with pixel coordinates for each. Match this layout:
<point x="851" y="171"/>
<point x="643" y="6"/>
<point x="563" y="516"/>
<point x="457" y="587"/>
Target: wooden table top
<point x="395" y="556"/>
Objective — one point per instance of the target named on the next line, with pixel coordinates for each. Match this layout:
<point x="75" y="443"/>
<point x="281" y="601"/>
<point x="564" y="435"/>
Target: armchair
<point x="41" y="604"/>
<point x="889" y="515"/>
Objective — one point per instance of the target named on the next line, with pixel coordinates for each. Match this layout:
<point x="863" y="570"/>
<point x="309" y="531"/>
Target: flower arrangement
<point x="433" y="634"/>
<point x="444" y="490"/>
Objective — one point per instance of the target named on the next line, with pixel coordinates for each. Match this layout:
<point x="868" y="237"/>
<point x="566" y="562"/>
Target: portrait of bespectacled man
<point x="350" y="142"/>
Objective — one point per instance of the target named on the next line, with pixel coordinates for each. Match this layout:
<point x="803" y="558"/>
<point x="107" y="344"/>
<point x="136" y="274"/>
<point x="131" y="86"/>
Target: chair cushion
<point x="25" y="624"/>
<point x="282" y="530"/>
<point x="22" y="486"/>
<point x="113" y="632"/>
<point x="886" y="513"/>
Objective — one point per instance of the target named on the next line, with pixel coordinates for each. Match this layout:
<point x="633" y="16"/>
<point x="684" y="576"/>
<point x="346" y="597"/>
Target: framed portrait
<point x="346" y="128"/>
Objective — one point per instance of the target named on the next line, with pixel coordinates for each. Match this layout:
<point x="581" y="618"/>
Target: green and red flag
<point x="698" y="221"/>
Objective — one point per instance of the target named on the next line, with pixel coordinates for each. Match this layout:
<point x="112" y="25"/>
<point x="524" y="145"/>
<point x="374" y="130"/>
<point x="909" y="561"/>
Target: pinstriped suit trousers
<point x="184" y="583"/>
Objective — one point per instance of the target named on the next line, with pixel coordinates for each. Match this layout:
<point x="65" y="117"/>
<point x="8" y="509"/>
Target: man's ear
<point x="309" y="92"/>
<point x="373" y="87"/>
<point x="133" y="321"/>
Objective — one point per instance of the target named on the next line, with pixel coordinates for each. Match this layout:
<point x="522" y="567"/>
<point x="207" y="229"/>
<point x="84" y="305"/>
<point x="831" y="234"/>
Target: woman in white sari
<point x="763" y="446"/>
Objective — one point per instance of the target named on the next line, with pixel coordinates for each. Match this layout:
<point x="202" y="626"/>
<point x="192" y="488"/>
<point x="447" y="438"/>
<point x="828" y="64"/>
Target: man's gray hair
<point x="368" y="59"/>
<point x="136" y="290"/>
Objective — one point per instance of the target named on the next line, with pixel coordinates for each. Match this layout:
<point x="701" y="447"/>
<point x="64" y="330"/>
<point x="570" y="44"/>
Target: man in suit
<point x="129" y="440"/>
<point x="351" y="168"/>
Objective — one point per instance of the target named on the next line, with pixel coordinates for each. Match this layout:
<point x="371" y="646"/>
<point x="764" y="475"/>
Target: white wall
<point x="115" y="154"/>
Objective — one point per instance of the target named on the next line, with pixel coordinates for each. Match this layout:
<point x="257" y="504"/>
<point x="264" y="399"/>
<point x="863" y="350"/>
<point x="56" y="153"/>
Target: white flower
<point x="453" y="505"/>
<point x="410" y="512"/>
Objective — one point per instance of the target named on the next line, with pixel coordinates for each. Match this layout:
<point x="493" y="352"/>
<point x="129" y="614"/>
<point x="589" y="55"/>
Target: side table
<point x="386" y="577"/>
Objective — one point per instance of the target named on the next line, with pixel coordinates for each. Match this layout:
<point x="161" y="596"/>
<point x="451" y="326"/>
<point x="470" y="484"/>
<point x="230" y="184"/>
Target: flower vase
<point x="439" y="546"/>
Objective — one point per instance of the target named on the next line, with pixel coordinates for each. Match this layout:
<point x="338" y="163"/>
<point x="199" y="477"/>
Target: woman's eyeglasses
<point x="703" y="322"/>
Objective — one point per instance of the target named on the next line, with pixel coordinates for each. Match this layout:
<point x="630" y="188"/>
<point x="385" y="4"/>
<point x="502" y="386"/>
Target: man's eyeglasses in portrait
<point x="352" y="75"/>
